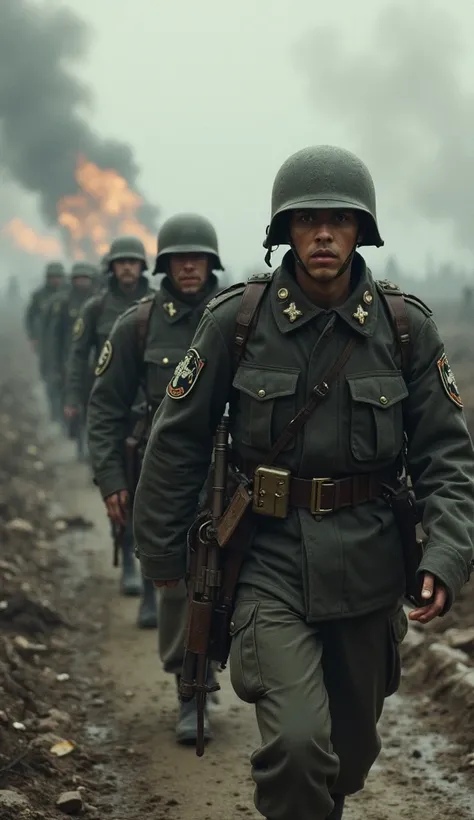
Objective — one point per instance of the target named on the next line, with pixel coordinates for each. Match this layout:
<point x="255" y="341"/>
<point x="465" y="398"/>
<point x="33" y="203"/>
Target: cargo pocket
<point x="245" y="673"/>
<point x="397" y="628"/>
<point x="376" y="426"/>
<point x="266" y="404"/>
<point x="160" y="366"/>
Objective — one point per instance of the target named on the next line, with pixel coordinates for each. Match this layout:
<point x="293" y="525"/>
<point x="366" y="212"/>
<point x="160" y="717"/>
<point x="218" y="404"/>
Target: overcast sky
<point x="213" y="96"/>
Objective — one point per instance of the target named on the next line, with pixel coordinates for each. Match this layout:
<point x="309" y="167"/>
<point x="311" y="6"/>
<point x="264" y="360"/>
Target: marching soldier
<point x="317" y="617"/>
<point x="127" y="283"/>
<point x="36" y="321"/>
<point x="54" y="279"/>
<point x="63" y="313"/>
<point x="143" y="349"/>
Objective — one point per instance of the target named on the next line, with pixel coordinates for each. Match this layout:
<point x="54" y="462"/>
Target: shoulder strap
<point x="395" y="302"/>
<point x="97" y="308"/>
<point x="317" y="395"/>
<point x="246" y="316"/>
<point x="143" y="320"/>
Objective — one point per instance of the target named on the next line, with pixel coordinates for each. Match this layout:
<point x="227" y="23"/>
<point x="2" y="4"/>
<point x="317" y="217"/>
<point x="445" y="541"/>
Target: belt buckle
<point x="316" y="495"/>
<point x="271" y="491"/>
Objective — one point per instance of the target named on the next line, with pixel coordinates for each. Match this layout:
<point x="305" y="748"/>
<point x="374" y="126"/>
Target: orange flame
<point x="104" y="208"/>
<point x="28" y="240"/>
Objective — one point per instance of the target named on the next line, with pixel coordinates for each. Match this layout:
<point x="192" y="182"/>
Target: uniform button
<point x="262" y="393"/>
<point x="166" y="360"/>
<point x="368" y="298"/>
<point x="232" y="624"/>
<point x="383" y="400"/>
<point x="283" y="294"/>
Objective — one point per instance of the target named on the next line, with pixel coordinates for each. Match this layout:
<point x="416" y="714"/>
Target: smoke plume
<point x="43" y="107"/>
<point x="402" y="102"/>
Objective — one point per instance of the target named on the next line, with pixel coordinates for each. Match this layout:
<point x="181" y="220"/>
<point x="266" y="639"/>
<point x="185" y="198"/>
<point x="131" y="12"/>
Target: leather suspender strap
<point x="143" y="319"/>
<point x="246" y="316"/>
<point x="397" y="309"/>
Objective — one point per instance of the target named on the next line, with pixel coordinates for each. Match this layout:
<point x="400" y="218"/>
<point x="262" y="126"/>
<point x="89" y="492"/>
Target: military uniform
<point x="171" y="321"/>
<point x="90" y="332"/>
<point x="38" y="301"/>
<point x="63" y="314"/>
<point x="37" y="318"/>
<point x="317" y="619"/>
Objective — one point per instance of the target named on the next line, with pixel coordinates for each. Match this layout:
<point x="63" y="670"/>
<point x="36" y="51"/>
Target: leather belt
<point x="325" y="495"/>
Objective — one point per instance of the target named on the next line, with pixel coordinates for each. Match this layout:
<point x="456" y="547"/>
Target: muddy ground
<point x="73" y="667"/>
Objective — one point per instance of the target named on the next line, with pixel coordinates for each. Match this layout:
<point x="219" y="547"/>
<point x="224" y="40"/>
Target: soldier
<point x="144" y="347"/>
<point x="127" y="284"/>
<point x="317" y="619"/>
<point x="64" y="312"/>
<point x="54" y="278"/>
<point x="36" y="327"/>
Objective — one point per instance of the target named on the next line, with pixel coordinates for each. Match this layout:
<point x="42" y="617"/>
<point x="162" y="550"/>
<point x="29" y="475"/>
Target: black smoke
<point x="44" y="106"/>
<point x="401" y="98"/>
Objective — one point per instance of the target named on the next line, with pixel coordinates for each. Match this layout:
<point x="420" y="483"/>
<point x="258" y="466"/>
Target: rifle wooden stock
<point x="205" y="584"/>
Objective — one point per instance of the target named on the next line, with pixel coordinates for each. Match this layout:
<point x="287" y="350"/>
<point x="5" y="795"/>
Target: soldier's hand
<point x="117" y="506"/>
<point x="431" y="587"/>
<point x="169" y="584"/>
<point x="70" y="412"/>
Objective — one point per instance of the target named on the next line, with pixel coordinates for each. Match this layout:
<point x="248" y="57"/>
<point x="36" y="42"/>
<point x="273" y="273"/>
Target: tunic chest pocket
<point x="376" y="428"/>
<point x="160" y="366"/>
<point x="266" y="404"/>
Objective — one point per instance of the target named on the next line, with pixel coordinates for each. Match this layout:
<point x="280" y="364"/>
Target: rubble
<point x="70" y="803"/>
<point x="41" y="710"/>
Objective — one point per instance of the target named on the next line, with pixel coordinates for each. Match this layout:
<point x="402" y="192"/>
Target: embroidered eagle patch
<point x="448" y="381"/>
<point x="78" y="329"/>
<point x="104" y="359"/>
<point x="186" y="375"/>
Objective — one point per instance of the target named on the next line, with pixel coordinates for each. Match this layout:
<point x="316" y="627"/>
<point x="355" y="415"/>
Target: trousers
<point x="318" y="691"/>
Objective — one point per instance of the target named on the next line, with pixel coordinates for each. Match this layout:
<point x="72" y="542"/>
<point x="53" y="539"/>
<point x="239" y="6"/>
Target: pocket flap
<point x="242" y="616"/>
<point x="164" y="356"/>
<point x="383" y="390"/>
<point x="264" y="383"/>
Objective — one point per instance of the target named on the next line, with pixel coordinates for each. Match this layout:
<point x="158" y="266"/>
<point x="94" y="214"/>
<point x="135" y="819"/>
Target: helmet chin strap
<point x="345" y="265"/>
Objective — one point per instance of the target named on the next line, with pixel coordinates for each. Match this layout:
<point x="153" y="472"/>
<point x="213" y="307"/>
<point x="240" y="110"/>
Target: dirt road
<point x="131" y="710"/>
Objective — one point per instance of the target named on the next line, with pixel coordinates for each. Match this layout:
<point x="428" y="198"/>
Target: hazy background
<point x="213" y="96"/>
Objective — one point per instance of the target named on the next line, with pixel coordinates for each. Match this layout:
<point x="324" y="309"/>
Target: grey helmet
<point x="187" y="233"/>
<point x="127" y="247"/>
<point x="322" y="176"/>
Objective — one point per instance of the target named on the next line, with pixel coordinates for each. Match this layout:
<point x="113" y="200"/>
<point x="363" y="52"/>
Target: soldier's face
<point x="189" y="271"/>
<point x="55" y="281"/>
<point x="82" y="283"/>
<point x="323" y="240"/>
<point x="128" y="271"/>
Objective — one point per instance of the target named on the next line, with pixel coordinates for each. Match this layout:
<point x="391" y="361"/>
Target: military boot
<point x="130" y="582"/>
<point x="336" y="813"/>
<point x="148" y="612"/>
<point x="186" y="727"/>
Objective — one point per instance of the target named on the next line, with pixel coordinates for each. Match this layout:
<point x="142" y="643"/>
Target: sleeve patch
<point x="78" y="329"/>
<point x="186" y="375"/>
<point x="448" y="381"/>
<point x="104" y="359"/>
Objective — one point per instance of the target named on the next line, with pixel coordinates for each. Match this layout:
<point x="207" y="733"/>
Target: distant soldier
<point x="126" y="284"/>
<point x="54" y="279"/>
<point x="466" y="311"/>
<point x="63" y="314"/>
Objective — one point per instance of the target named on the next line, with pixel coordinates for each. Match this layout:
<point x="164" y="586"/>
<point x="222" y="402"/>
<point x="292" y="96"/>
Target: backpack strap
<point x="394" y="299"/>
<point x="143" y="319"/>
<point x="97" y="308"/>
<point x="248" y="311"/>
